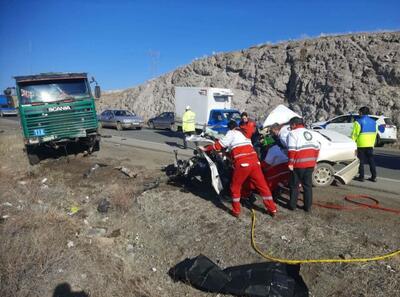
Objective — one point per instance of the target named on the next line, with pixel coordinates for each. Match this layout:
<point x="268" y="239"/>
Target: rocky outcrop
<point x="318" y="78"/>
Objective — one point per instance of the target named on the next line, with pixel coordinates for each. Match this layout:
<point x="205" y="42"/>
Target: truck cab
<point x="219" y="119"/>
<point x="212" y="107"/>
<point x="7" y="107"/>
<point x="55" y="110"/>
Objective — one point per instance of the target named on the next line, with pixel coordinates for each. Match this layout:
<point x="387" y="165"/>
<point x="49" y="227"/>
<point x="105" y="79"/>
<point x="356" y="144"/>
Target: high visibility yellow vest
<point x="364" y="132"/>
<point x="188" y="121"/>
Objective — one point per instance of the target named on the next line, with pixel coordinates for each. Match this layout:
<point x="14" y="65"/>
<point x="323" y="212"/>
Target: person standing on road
<point x="364" y="134"/>
<point x="188" y="124"/>
<point x="246" y="168"/>
<point x="303" y="150"/>
<point x="247" y="126"/>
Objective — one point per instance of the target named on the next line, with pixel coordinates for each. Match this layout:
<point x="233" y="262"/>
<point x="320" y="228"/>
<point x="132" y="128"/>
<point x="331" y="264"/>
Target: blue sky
<point x="124" y="43"/>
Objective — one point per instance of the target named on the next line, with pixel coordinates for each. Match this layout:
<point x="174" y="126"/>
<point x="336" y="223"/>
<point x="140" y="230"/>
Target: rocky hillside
<point x="316" y="77"/>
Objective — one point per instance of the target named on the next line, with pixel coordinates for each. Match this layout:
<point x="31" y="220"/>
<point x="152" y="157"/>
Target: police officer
<point x="364" y="134"/>
<point x="188" y="124"/>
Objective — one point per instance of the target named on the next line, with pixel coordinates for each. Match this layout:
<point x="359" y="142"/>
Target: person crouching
<point x="246" y="168"/>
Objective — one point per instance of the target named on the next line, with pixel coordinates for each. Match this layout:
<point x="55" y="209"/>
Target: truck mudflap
<point x="346" y="174"/>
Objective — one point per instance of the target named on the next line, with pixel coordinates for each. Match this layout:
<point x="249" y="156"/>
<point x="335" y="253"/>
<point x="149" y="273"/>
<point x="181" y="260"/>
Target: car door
<point x="104" y="118"/>
<point x="162" y="121"/>
<point x="338" y="124"/>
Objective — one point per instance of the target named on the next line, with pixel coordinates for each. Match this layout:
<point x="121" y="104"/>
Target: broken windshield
<point x="52" y="91"/>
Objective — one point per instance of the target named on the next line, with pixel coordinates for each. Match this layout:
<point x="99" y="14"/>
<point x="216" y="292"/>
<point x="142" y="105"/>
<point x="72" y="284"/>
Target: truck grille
<point x="61" y="124"/>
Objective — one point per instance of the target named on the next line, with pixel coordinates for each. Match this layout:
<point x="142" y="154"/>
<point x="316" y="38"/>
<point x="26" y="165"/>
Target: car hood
<point x="281" y="115"/>
<point x="318" y="124"/>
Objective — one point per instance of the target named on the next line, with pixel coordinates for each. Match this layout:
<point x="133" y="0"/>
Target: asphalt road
<point x="387" y="159"/>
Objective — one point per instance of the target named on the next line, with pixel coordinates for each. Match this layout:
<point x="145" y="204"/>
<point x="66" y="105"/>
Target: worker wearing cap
<point x="364" y="134"/>
<point x="188" y="124"/>
<point x="303" y="150"/>
<point x="246" y="167"/>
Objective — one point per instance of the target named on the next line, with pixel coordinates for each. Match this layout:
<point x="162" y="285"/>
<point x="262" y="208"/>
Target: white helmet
<point x="187" y="107"/>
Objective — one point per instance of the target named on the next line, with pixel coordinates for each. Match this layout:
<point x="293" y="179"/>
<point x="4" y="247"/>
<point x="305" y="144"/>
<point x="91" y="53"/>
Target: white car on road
<point x="387" y="131"/>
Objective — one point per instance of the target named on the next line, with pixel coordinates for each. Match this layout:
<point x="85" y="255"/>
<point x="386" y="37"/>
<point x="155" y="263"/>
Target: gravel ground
<point x="54" y="234"/>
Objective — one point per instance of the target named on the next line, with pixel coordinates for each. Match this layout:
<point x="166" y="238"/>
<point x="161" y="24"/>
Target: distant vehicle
<point x="164" y="120"/>
<point x="387" y="131"/>
<point x="120" y="119"/>
<point x="7" y="107"/>
<point x="57" y="109"/>
<point x="211" y="105"/>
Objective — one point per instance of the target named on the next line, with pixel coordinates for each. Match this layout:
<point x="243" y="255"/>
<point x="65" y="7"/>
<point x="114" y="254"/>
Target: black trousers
<point x="186" y="134"/>
<point x="366" y="156"/>
<point x="303" y="176"/>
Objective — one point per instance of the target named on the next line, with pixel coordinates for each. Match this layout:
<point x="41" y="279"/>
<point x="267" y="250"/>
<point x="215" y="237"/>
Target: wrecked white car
<point x="338" y="154"/>
<point x="337" y="158"/>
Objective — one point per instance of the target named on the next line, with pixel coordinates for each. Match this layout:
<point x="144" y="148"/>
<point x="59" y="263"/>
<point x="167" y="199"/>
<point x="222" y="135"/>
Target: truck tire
<point x="119" y="126"/>
<point x="323" y="175"/>
<point x="32" y="155"/>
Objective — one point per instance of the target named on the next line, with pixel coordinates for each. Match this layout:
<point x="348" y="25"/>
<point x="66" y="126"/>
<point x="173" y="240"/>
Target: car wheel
<point x="174" y="128"/>
<point x="138" y="128"/>
<point x="378" y="142"/>
<point x="323" y="175"/>
<point x="1" y="114"/>
<point x="151" y="125"/>
<point x="119" y="126"/>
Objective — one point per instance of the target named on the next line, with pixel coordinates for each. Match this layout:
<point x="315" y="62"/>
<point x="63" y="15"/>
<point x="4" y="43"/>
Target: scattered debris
<point x="130" y="248"/>
<point x="345" y="256"/>
<point x="151" y="185"/>
<point x="5" y="217"/>
<point x="70" y="244"/>
<point x="103" y="205"/>
<point x="105" y="219"/>
<point x="73" y="210"/>
<point x="91" y="170"/>
<point x="154" y="269"/>
<point x="7" y="204"/>
<point x="43" y="180"/>
<point x="127" y="171"/>
<point x="115" y="233"/>
<point x="96" y="232"/>
<point x="284" y="238"/>
<point x="22" y="182"/>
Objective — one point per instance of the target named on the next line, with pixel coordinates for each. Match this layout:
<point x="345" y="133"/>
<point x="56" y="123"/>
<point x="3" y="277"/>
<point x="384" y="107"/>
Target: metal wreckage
<point x="337" y="160"/>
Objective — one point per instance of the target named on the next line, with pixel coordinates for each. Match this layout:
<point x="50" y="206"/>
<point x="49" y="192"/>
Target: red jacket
<point x="248" y="128"/>
<point x="303" y="148"/>
<point x="240" y="147"/>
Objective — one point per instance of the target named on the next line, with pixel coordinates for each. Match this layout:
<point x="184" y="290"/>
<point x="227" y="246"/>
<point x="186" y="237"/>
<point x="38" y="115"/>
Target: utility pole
<point x="154" y="62"/>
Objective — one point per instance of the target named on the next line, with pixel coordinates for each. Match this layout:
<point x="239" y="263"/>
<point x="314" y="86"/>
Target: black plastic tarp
<point x="268" y="279"/>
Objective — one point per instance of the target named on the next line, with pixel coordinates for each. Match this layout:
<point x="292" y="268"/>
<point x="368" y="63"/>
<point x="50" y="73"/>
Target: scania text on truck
<point x="57" y="109"/>
<point x="212" y="107"/>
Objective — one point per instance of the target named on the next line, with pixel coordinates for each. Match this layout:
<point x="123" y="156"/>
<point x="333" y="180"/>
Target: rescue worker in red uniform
<point x="303" y="150"/>
<point x="275" y="166"/>
<point x="247" y="126"/>
<point x="246" y="168"/>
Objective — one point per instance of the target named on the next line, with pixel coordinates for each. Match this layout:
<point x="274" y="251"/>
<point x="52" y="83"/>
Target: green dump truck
<point x="56" y="109"/>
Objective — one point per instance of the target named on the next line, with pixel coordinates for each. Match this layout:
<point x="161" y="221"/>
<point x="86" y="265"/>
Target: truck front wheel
<point x="32" y="154"/>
